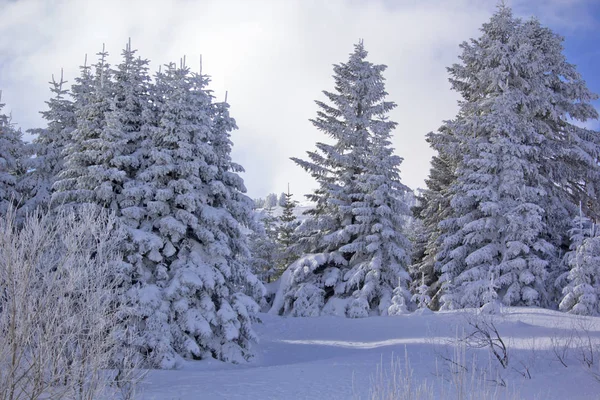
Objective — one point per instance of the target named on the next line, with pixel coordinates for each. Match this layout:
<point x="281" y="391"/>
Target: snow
<point x="330" y="357"/>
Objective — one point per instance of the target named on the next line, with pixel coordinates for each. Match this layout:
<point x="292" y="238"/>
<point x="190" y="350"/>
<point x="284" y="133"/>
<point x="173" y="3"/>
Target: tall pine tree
<point x="357" y="253"/>
<point x="522" y="164"/>
<point x="49" y="147"/>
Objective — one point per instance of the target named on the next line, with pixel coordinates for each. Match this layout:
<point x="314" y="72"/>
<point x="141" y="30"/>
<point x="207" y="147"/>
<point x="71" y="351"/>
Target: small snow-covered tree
<point x="264" y="247"/>
<point x="357" y="255"/>
<point x="282" y="200"/>
<point x="582" y="289"/>
<point x="259" y="203"/>
<point x="421" y="296"/>
<point x="48" y="146"/>
<point x="12" y="157"/>
<point x="286" y="232"/>
<point x="271" y="200"/>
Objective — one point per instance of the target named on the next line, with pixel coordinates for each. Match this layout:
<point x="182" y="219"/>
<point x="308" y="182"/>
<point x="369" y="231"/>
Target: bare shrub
<point x="60" y="285"/>
<point x="484" y="334"/>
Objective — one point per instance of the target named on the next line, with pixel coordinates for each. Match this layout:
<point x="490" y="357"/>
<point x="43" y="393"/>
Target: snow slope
<point x="337" y="358"/>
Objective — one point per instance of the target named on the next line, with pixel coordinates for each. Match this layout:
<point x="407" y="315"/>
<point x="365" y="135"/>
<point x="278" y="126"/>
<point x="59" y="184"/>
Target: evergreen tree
<point x="81" y="178"/>
<point x="49" y="147"/>
<point x="259" y="203"/>
<point x="12" y="157"/>
<point x="286" y="232"/>
<point x="282" y="199"/>
<point x="582" y="289"/>
<point x="432" y="208"/>
<point x="271" y="200"/>
<point x="356" y="252"/>
<point x="265" y="248"/>
<point x="521" y="165"/>
<point x="192" y="273"/>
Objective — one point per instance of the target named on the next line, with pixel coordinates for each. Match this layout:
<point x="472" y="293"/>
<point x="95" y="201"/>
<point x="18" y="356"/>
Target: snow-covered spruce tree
<point x="521" y="164"/>
<point x="281" y="200"/>
<point x="12" y="157"/>
<point x="432" y="208"/>
<point x="48" y="147"/>
<point x="192" y="272"/>
<point x="105" y="157"/>
<point x="356" y="252"/>
<point x="264" y="247"/>
<point x="227" y="192"/>
<point x="582" y="290"/>
<point x="286" y="232"/>
<point x="80" y="179"/>
<point x="271" y="200"/>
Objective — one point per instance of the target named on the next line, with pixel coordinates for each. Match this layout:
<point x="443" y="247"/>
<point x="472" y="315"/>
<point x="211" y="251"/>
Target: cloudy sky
<point x="274" y="57"/>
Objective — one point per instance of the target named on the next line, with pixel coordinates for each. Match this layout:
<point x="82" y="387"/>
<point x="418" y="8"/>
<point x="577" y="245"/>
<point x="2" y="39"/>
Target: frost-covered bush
<point x="60" y="305"/>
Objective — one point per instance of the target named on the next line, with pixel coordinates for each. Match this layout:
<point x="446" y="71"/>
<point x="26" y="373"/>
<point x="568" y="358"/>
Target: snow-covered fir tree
<point x="193" y="278"/>
<point x="286" y="232"/>
<point x="271" y="200"/>
<point x="357" y="254"/>
<point x="432" y="208"/>
<point x="282" y="199"/>
<point x="13" y="154"/>
<point x="264" y="247"/>
<point x="105" y="156"/>
<point x="48" y="146"/>
<point x="421" y="296"/>
<point x="521" y="166"/>
<point x="582" y="289"/>
<point x="80" y="180"/>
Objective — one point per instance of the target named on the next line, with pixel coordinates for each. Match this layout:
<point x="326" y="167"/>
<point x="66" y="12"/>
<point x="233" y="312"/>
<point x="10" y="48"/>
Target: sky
<point x="274" y="58"/>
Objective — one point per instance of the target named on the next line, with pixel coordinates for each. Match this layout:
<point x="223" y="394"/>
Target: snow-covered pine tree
<point x="80" y="178"/>
<point x="356" y="251"/>
<point x="281" y="200"/>
<point x="521" y="165"/>
<point x="48" y="147"/>
<point x="421" y="295"/>
<point x="582" y="288"/>
<point x="259" y="203"/>
<point x="383" y="252"/>
<point x="229" y="193"/>
<point x="432" y="208"/>
<point x="125" y="141"/>
<point x="13" y="155"/>
<point x="193" y="275"/>
<point x="105" y="156"/>
<point x="264" y="247"/>
<point x="286" y="232"/>
<point x="271" y="200"/>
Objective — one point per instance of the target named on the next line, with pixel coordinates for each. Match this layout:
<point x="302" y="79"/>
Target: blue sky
<point x="580" y="26"/>
<point x="582" y="48"/>
<point x="274" y="57"/>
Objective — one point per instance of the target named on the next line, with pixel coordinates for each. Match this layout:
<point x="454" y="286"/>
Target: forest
<point x="127" y="240"/>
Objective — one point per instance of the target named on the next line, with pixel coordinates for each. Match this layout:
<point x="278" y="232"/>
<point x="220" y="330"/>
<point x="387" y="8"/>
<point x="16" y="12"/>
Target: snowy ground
<point x="337" y="358"/>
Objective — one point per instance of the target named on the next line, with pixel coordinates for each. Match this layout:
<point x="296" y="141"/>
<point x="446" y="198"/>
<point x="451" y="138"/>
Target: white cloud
<point x="274" y="57"/>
